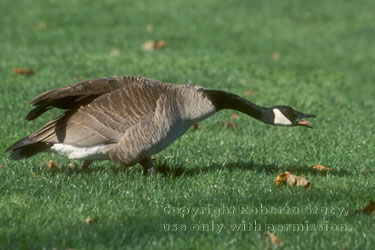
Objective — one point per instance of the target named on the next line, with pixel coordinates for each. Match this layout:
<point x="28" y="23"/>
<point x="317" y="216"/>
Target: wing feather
<point x="106" y="119"/>
<point x="73" y="96"/>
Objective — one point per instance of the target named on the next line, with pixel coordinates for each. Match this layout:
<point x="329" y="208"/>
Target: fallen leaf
<point x="1" y="165"/>
<point x="159" y="44"/>
<point x="321" y="168"/>
<point x="281" y="178"/>
<point x="276" y="56"/>
<point x="154" y="158"/>
<point x="229" y="124"/>
<point x="292" y="180"/>
<point x="370" y="208"/>
<point x="235" y="116"/>
<point x="89" y="220"/>
<point x="298" y="181"/>
<point x="196" y="126"/>
<point x="151" y="45"/>
<point x="23" y="71"/>
<point x="273" y="239"/>
<point x="149" y="27"/>
<point x="114" y="52"/>
<point x="51" y="165"/>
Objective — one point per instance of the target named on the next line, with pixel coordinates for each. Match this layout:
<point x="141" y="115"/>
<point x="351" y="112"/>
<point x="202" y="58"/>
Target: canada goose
<point x="127" y="119"/>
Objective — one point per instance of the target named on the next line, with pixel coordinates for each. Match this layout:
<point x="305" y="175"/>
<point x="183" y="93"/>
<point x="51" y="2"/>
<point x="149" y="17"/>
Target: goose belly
<point x="96" y="152"/>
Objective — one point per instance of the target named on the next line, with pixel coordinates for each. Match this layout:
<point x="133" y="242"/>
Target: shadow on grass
<point x="179" y="170"/>
<point x="77" y="169"/>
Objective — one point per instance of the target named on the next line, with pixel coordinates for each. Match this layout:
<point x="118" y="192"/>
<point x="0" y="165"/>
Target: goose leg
<point x="148" y="166"/>
<point x="86" y="164"/>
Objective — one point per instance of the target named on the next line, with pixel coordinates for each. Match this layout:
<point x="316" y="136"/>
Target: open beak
<point x="303" y="122"/>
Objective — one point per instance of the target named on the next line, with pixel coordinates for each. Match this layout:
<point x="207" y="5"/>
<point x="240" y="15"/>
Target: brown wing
<point x="105" y="119"/>
<point x="74" y="96"/>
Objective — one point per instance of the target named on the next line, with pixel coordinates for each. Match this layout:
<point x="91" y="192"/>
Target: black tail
<point x="26" y="147"/>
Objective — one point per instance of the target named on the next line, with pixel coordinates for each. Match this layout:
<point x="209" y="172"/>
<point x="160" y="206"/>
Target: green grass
<point x="325" y="67"/>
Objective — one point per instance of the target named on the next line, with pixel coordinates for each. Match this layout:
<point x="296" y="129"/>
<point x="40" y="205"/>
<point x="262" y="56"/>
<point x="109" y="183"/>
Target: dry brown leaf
<point x="229" y="124"/>
<point x="370" y="208"/>
<point x="159" y="44"/>
<point x="196" y="126"/>
<point x="89" y="220"/>
<point x="292" y="180"/>
<point x="151" y="45"/>
<point x="298" y="181"/>
<point x="154" y="158"/>
<point x="273" y="239"/>
<point x="235" y="116"/>
<point x="23" y="71"/>
<point x="1" y="165"/>
<point x="51" y="165"/>
<point x="321" y="168"/>
<point x="281" y="178"/>
<point x="276" y="56"/>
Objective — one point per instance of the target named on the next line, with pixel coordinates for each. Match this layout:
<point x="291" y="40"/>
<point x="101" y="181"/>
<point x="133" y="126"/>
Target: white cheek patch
<point x="280" y="119"/>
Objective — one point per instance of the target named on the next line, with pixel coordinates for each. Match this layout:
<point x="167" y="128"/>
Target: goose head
<point x="287" y="116"/>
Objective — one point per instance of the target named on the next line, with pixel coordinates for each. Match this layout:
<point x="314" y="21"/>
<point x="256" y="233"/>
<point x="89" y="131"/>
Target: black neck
<point x="225" y="100"/>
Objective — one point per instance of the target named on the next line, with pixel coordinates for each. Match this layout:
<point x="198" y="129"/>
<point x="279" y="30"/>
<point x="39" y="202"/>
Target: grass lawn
<point x="217" y="186"/>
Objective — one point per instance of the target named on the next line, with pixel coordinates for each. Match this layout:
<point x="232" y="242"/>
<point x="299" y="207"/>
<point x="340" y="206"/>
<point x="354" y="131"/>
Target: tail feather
<point x="26" y="147"/>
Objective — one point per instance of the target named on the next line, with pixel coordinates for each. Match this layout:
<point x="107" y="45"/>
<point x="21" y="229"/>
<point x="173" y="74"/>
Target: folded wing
<point x="73" y="96"/>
